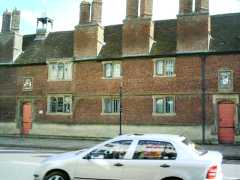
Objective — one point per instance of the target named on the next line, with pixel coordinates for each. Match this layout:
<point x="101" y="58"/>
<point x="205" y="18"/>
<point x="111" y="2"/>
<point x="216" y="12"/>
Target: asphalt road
<point x="20" y="164"/>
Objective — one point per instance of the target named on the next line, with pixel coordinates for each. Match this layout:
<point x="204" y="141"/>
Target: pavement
<point x="230" y="152"/>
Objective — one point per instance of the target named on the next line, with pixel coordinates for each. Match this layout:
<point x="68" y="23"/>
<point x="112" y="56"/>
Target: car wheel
<point x="57" y="175"/>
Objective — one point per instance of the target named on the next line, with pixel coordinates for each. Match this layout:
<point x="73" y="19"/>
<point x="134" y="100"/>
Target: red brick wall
<point x="139" y="86"/>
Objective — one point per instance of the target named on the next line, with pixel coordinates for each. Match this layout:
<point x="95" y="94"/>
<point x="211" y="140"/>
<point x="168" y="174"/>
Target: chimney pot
<point x="84" y="12"/>
<point x="132" y="9"/>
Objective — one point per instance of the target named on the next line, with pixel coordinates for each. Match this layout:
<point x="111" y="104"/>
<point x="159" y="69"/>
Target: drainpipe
<point x="203" y="97"/>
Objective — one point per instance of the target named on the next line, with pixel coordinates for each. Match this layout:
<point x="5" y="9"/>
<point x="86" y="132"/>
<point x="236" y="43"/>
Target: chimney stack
<point x="96" y="16"/>
<point x="89" y="35"/>
<point x="185" y="6"/>
<point x="138" y="32"/>
<point x="6" y="21"/>
<point x="15" y="25"/>
<point x="132" y="9"/>
<point x="84" y="12"/>
<point x="202" y="6"/>
<point x="146" y="8"/>
<point x="191" y="23"/>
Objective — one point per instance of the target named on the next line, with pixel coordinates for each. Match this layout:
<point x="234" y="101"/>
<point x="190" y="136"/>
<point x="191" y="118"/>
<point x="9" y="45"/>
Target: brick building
<point x="178" y="72"/>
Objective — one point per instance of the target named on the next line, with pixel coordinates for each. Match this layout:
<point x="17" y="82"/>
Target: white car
<point x="135" y="157"/>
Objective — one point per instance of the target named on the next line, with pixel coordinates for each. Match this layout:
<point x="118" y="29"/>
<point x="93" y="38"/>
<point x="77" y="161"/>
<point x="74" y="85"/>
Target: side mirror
<point x="88" y="157"/>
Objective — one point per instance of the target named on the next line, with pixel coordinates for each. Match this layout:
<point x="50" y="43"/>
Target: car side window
<point x="155" y="150"/>
<point x="113" y="150"/>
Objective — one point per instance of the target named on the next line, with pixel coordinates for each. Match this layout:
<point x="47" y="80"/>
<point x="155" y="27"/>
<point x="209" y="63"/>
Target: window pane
<point x="107" y="106"/>
<point x="113" y="150"/>
<point x="159" y="105"/>
<point x="225" y="79"/>
<point x="169" y="105"/>
<point x="154" y="150"/>
<point x="116" y="70"/>
<point x="67" y="104"/>
<point x="53" y="104"/>
<point x="68" y="71"/>
<point x="53" y="69"/>
<point x="116" y="105"/>
<point x="60" y="104"/>
<point x="60" y="72"/>
<point x="159" y="67"/>
<point x="108" y="70"/>
<point x="170" y="67"/>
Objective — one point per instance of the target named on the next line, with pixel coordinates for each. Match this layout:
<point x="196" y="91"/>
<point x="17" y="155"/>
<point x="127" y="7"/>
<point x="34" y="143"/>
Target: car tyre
<point x="56" y="175"/>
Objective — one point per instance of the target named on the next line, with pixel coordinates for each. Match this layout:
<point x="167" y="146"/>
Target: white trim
<point x="155" y="75"/>
<point x="103" y="105"/>
<point x="59" y="113"/>
<point x="113" y="77"/>
<point x="154" y="113"/>
<point x="58" y="62"/>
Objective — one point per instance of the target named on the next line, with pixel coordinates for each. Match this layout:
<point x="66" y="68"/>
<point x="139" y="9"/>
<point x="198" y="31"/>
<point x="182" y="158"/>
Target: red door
<point x="27" y="118"/>
<point x="226" y="123"/>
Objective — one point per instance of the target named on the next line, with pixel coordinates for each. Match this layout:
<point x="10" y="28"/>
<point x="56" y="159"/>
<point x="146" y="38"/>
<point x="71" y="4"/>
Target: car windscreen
<point x="195" y="147"/>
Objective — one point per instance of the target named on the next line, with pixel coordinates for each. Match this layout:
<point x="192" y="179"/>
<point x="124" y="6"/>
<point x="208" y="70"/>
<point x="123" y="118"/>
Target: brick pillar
<point x="6" y="21"/>
<point x="202" y="6"/>
<point x="84" y="12"/>
<point x="132" y="9"/>
<point x="146" y="8"/>
<point x="96" y="11"/>
<point x="15" y="26"/>
<point x="185" y="6"/>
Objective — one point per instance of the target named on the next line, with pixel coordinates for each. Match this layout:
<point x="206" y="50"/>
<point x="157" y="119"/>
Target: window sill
<point x="112" y="78"/>
<point x="49" y="80"/>
<point x="110" y="114"/>
<point x="164" y="76"/>
<point x="164" y="114"/>
<point x="59" y="114"/>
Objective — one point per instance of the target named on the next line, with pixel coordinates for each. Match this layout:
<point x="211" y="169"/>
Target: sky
<point x="66" y="12"/>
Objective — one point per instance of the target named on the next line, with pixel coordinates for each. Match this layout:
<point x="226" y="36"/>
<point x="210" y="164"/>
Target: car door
<point x="105" y="162"/>
<point x="151" y="160"/>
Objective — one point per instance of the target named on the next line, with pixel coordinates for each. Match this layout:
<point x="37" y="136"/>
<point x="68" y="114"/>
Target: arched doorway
<point x="27" y="118"/>
<point x="226" y="116"/>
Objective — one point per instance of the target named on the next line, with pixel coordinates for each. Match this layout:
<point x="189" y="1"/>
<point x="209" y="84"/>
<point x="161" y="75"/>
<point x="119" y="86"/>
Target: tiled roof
<point x="57" y="45"/>
<point x="225" y="36"/>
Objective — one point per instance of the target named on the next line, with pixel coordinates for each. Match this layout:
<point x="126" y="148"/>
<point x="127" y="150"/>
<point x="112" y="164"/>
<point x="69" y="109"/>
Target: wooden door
<point x="27" y="118"/>
<point x="226" y="132"/>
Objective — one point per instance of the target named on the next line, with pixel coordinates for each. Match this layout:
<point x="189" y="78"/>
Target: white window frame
<point x="57" y="96"/>
<point x="57" y="62"/>
<point x="230" y="88"/>
<point x="155" y="98"/>
<point x="30" y="87"/>
<point x="103" y="105"/>
<point x="164" y="60"/>
<point x="112" y="70"/>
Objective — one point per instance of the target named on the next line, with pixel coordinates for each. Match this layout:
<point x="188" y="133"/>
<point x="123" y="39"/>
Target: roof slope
<point x="57" y="45"/>
<point x="225" y="32"/>
<point x="225" y="36"/>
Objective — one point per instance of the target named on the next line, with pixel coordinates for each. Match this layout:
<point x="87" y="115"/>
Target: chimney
<point x="89" y="35"/>
<point x="202" y="6"/>
<point x="146" y="8"/>
<point x="84" y="12"/>
<point x="138" y="32"/>
<point x="15" y="25"/>
<point x="193" y="30"/>
<point x="6" y="21"/>
<point x="10" y="40"/>
<point x="96" y="11"/>
<point x="185" y="6"/>
<point x="132" y="9"/>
